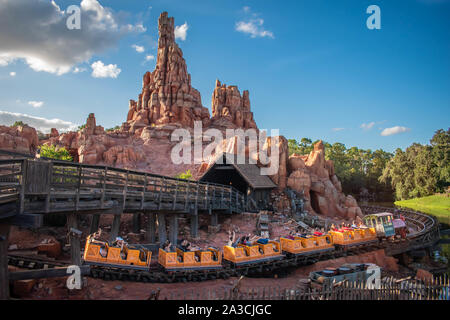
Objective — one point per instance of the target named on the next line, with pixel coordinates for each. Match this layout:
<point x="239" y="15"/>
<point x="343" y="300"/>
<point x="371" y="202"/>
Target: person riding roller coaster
<point x="120" y="243"/>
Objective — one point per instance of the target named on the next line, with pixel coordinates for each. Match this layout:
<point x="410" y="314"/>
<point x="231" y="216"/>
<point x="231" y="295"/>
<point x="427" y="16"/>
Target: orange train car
<point x="101" y="253"/>
<point x="307" y="245"/>
<point x="208" y="259"/>
<point x="257" y="252"/>
<point x="348" y="237"/>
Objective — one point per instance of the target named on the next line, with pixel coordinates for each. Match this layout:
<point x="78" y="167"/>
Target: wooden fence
<point x="438" y="289"/>
<point x="44" y="186"/>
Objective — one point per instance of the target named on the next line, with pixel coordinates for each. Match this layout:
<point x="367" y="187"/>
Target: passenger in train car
<point x="120" y="243"/>
<point x="185" y="245"/>
<point x="167" y="246"/>
<point x="291" y="235"/>
<point x="95" y="237"/>
<point x="231" y="238"/>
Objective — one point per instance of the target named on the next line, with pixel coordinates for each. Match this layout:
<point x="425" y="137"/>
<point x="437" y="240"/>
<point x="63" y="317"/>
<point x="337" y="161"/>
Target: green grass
<point x="437" y="205"/>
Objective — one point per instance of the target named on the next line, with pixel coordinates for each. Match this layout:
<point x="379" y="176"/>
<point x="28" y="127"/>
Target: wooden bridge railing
<point x="44" y="186"/>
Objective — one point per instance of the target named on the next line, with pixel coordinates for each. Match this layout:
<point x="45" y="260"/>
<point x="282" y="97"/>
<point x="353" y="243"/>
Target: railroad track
<point x="426" y="234"/>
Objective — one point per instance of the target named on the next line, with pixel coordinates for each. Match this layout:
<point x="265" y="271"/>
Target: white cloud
<point x="181" y="31"/>
<point x="338" y="129"/>
<point x="139" y="49"/>
<point x="36" y="104"/>
<point x="99" y="70"/>
<point x="149" y="57"/>
<point x="45" y="43"/>
<point x="12" y="74"/>
<point x="78" y="70"/>
<point x="367" y="126"/>
<point x="394" y="130"/>
<point x="41" y="124"/>
<point x="253" y="26"/>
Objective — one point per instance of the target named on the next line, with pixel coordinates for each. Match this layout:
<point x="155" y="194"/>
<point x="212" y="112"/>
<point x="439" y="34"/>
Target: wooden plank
<point x="4" y="283"/>
<point x="160" y="193"/>
<point x="45" y="273"/>
<point x="144" y="189"/>
<point x="151" y="228"/>
<point x="28" y="220"/>
<point x="162" y="234"/>
<point x="125" y="192"/>
<point x="77" y="199"/>
<point x="175" y="196"/>
<point x="115" y="228"/>
<point x="95" y="221"/>
<point x="22" y="187"/>
<point x="75" y="246"/>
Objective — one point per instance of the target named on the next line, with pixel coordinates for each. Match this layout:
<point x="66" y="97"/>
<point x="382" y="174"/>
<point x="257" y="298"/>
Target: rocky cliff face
<point x="230" y="109"/>
<point x="315" y="177"/>
<point x="22" y="139"/>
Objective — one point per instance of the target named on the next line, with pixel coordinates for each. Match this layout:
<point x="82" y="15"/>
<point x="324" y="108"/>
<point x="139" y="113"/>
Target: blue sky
<point x="313" y="68"/>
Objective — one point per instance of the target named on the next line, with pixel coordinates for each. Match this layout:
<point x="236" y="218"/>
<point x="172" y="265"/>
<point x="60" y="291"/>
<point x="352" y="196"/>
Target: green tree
<point x="440" y="153"/>
<point x="53" y="152"/>
<point x="420" y="170"/>
<point x="18" y="124"/>
<point x="184" y="175"/>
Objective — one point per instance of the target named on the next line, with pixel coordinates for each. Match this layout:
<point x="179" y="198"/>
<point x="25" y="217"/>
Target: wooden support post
<point x="115" y="228"/>
<point x="22" y="187"/>
<point x="214" y="219"/>
<point x="173" y="228"/>
<point x="163" y="184"/>
<point x="125" y="190"/>
<point x="151" y="228"/>
<point x="162" y="234"/>
<point x="136" y="223"/>
<point x="74" y="239"/>
<point x="95" y="222"/>
<point x="194" y="224"/>
<point x="4" y="282"/>
<point x="103" y="196"/>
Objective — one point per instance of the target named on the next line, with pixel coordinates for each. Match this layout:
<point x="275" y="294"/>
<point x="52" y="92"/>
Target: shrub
<point x="18" y="124"/>
<point x="55" y="153"/>
<point x="185" y="175"/>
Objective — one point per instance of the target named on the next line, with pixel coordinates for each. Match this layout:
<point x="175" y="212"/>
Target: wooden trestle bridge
<point x="31" y="188"/>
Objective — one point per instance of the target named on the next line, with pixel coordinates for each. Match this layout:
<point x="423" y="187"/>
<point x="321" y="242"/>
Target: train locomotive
<point x="126" y="256"/>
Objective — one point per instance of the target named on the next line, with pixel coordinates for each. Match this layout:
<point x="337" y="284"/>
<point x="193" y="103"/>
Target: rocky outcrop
<point x="167" y="95"/>
<point x="21" y="139"/>
<point x="230" y="109"/>
<point x="315" y="177"/>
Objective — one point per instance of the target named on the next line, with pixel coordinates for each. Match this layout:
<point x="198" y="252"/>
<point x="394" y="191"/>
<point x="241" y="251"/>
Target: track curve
<point x="425" y="233"/>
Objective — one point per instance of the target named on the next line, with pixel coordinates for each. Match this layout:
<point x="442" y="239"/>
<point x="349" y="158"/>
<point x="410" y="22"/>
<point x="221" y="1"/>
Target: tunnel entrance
<point x="314" y="201"/>
<point x="227" y="175"/>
